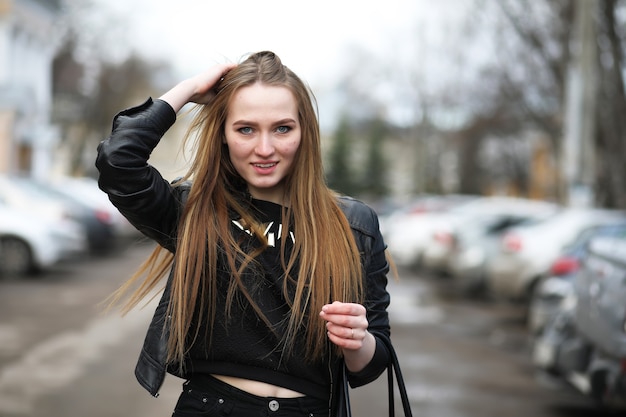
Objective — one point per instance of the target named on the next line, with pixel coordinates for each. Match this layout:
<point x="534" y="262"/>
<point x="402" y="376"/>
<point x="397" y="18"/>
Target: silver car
<point x="527" y="252"/>
<point x="558" y="285"/>
<point x="461" y="247"/>
<point x="584" y="342"/>
<point x="30" y="243"/>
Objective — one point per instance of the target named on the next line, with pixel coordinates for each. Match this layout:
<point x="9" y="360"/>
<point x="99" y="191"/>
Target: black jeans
<point x="207" y="397"/>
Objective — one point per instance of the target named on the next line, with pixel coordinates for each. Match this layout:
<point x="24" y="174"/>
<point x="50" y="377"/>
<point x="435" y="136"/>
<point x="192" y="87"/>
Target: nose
<point x="265" y="145"/>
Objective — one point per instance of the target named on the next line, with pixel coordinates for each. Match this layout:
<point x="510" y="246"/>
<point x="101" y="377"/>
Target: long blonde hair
<point x="324" y="266"/>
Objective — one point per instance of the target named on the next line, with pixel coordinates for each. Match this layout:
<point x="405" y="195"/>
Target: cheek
<point x="292" y="147"/>
<point x="236" y="150"/>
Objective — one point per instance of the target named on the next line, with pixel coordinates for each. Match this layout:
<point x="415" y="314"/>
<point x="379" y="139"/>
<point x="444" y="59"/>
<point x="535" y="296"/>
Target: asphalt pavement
<point x="62" y="355"/>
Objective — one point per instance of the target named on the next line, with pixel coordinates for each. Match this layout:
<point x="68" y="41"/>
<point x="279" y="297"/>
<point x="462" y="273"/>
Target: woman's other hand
<point x="347" y="328"/>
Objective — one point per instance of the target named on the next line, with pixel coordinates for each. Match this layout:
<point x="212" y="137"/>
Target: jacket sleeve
<point x="365" y="226"/>
<point x="136" y="188"/>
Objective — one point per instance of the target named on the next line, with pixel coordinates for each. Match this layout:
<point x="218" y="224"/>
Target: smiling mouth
<point x="268" y="165"/>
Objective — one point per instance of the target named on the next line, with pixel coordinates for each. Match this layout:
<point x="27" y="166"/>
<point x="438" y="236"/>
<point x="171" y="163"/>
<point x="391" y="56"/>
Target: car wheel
<point x="599" y="387"/>
<point x="15" y="257"/>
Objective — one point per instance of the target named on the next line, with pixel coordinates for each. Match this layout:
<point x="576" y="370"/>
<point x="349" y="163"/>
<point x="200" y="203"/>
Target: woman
<point x="275" y="282"/>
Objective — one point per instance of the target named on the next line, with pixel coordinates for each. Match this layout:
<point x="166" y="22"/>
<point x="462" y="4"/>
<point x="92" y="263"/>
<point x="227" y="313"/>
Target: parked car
<point x="601" y="317"/>
<point x="552" y="290"/>
<point x="97" y="222"/>
<point x="51" y="210"/>
<point x="526" y="252"/>
<point x="474" y="244"/>
<point x="461" y="246"/>
<point x="408" y="230"/>
<point x="552" y="347"/>
<point x="87" y="191"/>
<point x="30" y="243"/>
<point x="585" y="344"/>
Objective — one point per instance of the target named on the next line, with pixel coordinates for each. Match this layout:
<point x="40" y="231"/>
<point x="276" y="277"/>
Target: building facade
<point x="29" y="38"/>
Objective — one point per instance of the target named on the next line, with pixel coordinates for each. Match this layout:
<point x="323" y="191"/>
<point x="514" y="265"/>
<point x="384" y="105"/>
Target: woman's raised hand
<point x="197" y="89"/>
<point x="205" y="82"/>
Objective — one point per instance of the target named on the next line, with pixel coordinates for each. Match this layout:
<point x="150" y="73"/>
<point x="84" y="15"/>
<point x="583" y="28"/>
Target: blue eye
<point x="245" y="130"/>
<point x="283" y="129"/>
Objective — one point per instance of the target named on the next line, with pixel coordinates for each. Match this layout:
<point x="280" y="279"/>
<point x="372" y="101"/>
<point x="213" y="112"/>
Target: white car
<point x="48" y="209"/>
<point x="29" y="243"/>
<point x="458" y="242"/>
<point x="527" y="253"/>
<point x="408" y="231"/>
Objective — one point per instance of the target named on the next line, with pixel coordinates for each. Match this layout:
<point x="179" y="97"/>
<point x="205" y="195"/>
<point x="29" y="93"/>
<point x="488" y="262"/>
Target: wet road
<point x="61" y="356"/>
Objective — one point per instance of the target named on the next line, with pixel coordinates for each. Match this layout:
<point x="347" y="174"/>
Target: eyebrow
<point x="276" y="123"/>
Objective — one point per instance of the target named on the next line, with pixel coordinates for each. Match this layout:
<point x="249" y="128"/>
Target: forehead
<point x="262" y="100"/>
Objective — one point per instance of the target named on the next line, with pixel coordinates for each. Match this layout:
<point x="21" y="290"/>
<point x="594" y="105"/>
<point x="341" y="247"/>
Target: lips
<point x="266" y="165"/>
<point x="264" y="168"/>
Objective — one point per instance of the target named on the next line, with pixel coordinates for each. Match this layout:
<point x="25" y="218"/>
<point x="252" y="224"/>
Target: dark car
<point x="600" y="317"/>
<point x="552" y="290"/>
<point x="584" y="342"/>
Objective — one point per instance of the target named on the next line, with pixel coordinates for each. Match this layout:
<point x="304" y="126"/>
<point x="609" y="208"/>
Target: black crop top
<point x="245" y="346"/>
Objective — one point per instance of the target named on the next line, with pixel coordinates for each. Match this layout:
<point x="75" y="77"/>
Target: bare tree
<point x="611" y="108"/>
<point x="84" y="116"/>
<point x="534" y="53"/>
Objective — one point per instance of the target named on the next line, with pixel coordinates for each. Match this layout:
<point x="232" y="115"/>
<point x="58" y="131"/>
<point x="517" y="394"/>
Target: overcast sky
<point x="310" y="36"/>
<point x="317" y="39"/>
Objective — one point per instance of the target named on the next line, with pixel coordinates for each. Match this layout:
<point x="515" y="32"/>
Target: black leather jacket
<point x="154" y="206"/>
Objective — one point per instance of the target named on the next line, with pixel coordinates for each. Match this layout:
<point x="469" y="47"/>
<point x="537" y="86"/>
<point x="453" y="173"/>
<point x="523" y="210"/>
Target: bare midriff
<point x="261" y="389"/>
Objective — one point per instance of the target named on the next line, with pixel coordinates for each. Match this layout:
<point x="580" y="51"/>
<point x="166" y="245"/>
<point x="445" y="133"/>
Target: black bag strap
<point x="393" y="370"/>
